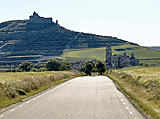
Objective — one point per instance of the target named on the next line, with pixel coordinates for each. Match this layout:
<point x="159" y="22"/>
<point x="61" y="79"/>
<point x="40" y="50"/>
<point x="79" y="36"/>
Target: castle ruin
<point x="35" y="18"/>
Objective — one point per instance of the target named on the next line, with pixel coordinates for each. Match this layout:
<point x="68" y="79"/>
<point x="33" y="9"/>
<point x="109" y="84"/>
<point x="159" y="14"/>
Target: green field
<point x="149" y="61"/>
<point x="99" y="53"/>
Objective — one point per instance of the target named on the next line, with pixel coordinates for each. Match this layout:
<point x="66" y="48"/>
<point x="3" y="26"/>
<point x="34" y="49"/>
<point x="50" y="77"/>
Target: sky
<point x="136" y="21"/>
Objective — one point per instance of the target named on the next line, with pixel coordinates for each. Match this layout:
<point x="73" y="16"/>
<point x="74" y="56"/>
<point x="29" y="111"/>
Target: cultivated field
<point x="99" y="53"/>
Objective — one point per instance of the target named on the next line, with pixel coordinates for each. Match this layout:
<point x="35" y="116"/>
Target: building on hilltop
<point x="119" y="60"/>
<point x="35" y="18"/>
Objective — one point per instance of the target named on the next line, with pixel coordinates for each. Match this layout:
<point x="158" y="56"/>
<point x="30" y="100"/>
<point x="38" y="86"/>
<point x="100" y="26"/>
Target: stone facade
<point x="35" y="18"/>
<point x="119" y="60"/>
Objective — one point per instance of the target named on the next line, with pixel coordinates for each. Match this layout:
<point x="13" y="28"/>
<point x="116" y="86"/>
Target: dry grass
<point x="15" y="84"/>
<point x="145" y="73"/>
<point x="15" y="76"/>
<point x="142" y="84"/>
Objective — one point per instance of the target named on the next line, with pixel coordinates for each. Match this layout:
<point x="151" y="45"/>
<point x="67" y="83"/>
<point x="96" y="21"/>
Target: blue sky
<point x="136" y="21"/>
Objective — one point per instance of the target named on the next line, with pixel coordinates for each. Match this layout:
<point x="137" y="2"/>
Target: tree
<point x="88" y="68"/>
<point x="53" y="65"/>
<point x="26" y="66"/>
<point x="91" y="63"/>
<point x="101" y="67"/>
<point x="65" y="66"/>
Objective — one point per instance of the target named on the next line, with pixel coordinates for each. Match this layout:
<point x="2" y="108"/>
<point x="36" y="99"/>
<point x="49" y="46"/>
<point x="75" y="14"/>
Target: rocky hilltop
<point x="22" y="37"/>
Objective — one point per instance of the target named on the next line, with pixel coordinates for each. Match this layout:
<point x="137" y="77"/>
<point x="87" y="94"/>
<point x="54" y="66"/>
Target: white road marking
<point x="20" y="105"/>
<point x="124" y="103"/>
<point x="12" y="110"/>
<point x="33" y="99"/>
<point x="1" y="116"/>
<point x="121" y="99"/>
<point x="42" y="94"/>
<point x="130" y="112"/>
<point x="127" y="107"/>
<point x="27" y="102"/>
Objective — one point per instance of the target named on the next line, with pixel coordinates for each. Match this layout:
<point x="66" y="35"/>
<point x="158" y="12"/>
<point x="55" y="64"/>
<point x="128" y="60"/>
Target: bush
<point x="65" y="66"/>
<point x="26" y="66"/>
<point x="66" y="76"/>
<point x="53" y="65"/>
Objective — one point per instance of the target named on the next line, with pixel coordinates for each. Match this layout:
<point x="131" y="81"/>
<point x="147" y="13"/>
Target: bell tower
<point x="108" y="53"/>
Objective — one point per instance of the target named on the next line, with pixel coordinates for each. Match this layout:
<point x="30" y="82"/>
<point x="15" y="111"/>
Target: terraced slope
<point x="20" y="38"/>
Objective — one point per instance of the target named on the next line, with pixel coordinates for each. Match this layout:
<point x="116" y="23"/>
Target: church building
<point x="119" y="60"/>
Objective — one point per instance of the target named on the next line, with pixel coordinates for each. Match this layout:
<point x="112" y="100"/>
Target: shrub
<point x="58" y="77"/>
<point x="65" y="66"/>
<point x="53" y="65"/>
<point x="66" y="76"/>
<point x="51" y="78"/>
<point x="26" y="66"/>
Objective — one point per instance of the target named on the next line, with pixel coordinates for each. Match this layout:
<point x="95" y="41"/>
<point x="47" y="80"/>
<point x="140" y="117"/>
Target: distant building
<point x="35" y="18"/>
<point x="119" y="60"/>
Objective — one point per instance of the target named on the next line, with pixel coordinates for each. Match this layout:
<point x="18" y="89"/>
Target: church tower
<point x="108" y="53"/>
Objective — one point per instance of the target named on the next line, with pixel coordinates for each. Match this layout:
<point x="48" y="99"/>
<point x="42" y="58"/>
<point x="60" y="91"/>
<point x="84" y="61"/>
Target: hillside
<point x="20" y="38"/>
<point x="145" y="54"/>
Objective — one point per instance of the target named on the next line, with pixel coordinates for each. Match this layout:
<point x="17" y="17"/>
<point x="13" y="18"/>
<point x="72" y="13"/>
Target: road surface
<point x="93" y="97"/>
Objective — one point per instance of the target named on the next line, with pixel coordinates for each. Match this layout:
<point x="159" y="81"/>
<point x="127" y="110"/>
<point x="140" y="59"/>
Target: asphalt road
<point x="80" y="98"/>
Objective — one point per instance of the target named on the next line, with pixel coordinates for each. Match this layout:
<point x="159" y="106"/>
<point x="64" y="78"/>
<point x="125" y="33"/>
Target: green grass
<point x="149" y="61"/>
<point x="25" y="56"/>
<point x="95" y="53"/>
<point x="99" y="53"/>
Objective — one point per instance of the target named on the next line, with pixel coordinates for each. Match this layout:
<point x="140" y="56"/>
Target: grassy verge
<point x="143" y="92"/>
<point x="13" y="91"/>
